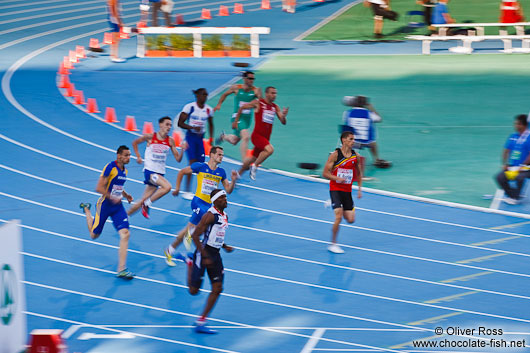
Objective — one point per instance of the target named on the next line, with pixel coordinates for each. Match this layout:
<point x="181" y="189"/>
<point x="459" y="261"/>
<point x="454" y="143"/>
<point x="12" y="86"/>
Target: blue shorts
<point x="106" y="209"/>
<point x="198" y="209"/>
<point x="195" y="149"/>
<point x="215" y="270"/>
<point x="147" y="177"/>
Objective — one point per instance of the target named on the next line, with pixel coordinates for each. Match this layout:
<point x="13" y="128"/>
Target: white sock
<point x="171" y="249"/>
<point x="148" y="202"/>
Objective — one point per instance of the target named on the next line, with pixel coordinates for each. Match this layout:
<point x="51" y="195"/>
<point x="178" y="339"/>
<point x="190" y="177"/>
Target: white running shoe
<point x="253" y="170"/>
<point x="117" y="60"/>
<point x="510" y="201"/>
<point x="187" y="195"/>
<point x="334" y="248"/>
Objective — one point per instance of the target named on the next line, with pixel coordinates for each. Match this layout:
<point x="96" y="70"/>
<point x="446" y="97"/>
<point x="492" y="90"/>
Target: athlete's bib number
<point x="244" y="111"/>
<point x="219" y="239"/>
<point x="346" y="174"/>
<point x="268" y="116"/>
<point x="208" y="186"/>
<point x="116" y="191"/>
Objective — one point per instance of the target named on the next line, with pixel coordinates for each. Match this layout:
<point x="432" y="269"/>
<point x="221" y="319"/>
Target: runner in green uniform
<point x="245" y="93"/>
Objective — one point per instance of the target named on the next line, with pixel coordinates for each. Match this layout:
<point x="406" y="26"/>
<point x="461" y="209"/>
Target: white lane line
<point x="289" y="328"/>
<point x="276" y="233"/>
<point x="50" y="14"/>
<point x="288" y="257"/>
<point x="75" y="3"/>
<point x="70" y="331"/>
<point x="278" y="279"/>
<point x="282" y="256"/>
<point x="313" y="341"/>
<point x="86" y="324"/>
<point x="169" y="311"/>
<point x="294" y="216"/>
<point x="26" y="3"/>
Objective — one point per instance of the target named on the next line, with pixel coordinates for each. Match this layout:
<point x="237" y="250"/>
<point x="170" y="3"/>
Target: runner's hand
<point x="175" y="193"/>
<point x="234" y="125"/>
<point x="359" y="194"/>
<point x="139" y="160"/>
<point x="228" y="248"/>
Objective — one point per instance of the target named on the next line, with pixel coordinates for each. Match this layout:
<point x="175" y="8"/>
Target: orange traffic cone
<point x="177" y="138"/>
<point x="70" y="90"/>
<point x="265" y="5"/>
<point x="72" y="56"/>
<point x="238" y="8"/>
<point x="64" y="82"/>
<point x="223" y="11"/>
<point x="123" y="35"/>
<point x="63" y="70"/>
<point x="107" y="38"/>
<point x="110" y="115"/>
<point x="141" y="24"/>
<point x="79" y="98"/>
<point x="92" y="106"/>
<point x="94" y="43"/>
<point x="180" y="19"/>
<point x="80" y="51"/>
<point x="67" y="63"/>
<point x="206" y="15"/>
<point x="207" y="146"/>
<point x="148" y="128"/>
<point x="130" y="123"/>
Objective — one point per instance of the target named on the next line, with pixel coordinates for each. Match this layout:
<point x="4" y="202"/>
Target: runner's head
<point x="270" y="94"/>
<point x="201" y="95"/>
<point x="216" y="154"/>
<point x="347" y="139"/>
<point x="248" y="78"/>
<point x="218" y="198"/>
<point x="521" y="123"/>
<point x="123" y="154"/>
<point x="164" y="125"/>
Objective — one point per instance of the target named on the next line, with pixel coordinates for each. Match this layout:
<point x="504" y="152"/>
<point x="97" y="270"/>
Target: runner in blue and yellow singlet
<point x="110" y="186"/>
<point x="244" y="93"/>
<point x="209" y="176"/>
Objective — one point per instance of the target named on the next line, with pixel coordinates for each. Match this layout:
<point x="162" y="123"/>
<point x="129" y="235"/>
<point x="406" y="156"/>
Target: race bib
<point x="346" y="174"/>
<point x="268" y="116"/>
<point x="244" y="111"/>
<point x="219" y="238"/>
<point x="208" y="186"/>
<point x="116" y="191"/>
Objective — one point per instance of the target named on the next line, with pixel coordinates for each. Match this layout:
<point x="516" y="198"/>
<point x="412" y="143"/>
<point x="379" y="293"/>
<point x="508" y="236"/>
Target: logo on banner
<point x="8" y="288"/>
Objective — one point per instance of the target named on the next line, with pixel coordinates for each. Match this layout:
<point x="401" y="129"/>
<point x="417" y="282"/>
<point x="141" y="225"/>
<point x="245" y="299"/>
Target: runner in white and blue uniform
<point x="212" y="226"/>
<point x="193" y="118"/>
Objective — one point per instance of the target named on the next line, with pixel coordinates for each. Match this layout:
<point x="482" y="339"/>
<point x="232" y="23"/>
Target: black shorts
<point x="215" y="270"/>
<point x="341" y="199"/>
<point x="383" y="12"/>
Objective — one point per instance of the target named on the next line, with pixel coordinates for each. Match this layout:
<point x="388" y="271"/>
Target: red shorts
<point x="259" y="142"/>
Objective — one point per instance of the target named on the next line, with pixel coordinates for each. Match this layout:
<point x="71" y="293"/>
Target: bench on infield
<point x="468" y="40"/>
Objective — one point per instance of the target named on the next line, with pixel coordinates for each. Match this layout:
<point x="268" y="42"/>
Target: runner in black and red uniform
<point x="265" y="110"/>
<point x="339" y="169"/>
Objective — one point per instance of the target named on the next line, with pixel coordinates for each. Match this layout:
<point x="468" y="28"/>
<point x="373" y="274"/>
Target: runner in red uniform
<point x="264" y="112"/>
<point x="339" y="169"/>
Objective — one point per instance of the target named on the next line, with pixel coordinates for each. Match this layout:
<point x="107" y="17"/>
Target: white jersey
<point x="156" y="154"/>
<point x="197" y="117"/>
<point x="214" y="235"/>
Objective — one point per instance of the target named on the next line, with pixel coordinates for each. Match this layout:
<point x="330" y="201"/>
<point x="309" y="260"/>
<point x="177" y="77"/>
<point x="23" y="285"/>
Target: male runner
<point x="110" y="186"/>
<point x="209" y="175"/>
<point x="213" y="225"/>
<point x="158" y="146"/>
<point x="193" y="118"/>
<point x="244" y="93"/>
<point x="264" y="112"/>
<point x="339" y="169"/>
